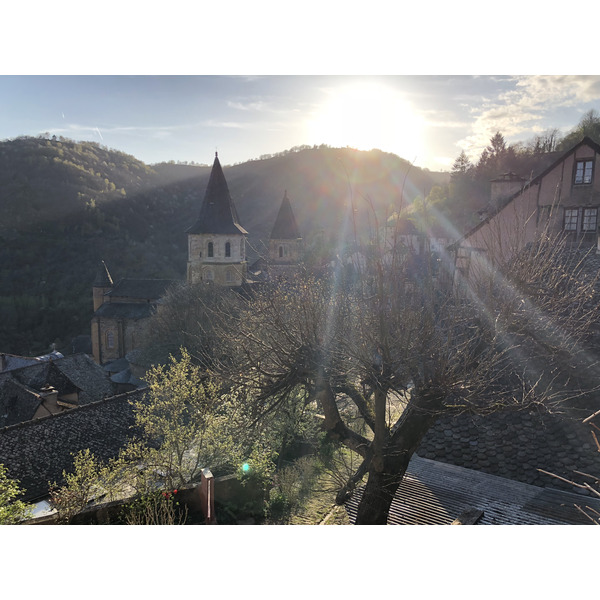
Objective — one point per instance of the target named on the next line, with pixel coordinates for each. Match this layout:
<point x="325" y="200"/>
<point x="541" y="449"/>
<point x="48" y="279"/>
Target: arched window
<point x="229" y="276"/>
<point x="110" y="339"/>
<point x="208" y="275"/>
<point x="227" y="249"/>
<point x="211" y="249"/>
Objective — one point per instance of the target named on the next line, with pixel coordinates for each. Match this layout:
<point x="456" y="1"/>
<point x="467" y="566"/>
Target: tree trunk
<point x="385" y="476"/>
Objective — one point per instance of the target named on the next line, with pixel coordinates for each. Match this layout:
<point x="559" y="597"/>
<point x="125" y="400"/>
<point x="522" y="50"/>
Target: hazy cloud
<point x="255" y="105"/>
<point x="524" y="108"/>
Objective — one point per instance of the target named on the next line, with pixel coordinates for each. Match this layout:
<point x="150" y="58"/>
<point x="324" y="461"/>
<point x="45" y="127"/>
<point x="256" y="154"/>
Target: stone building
<point x="216" y="253"/>
<point x="50" y="387"/>
<point x="565" y="197"/>
<point x="122" y="313"/>
<point x="217" y="241"/>
<point x="285" y="243"/>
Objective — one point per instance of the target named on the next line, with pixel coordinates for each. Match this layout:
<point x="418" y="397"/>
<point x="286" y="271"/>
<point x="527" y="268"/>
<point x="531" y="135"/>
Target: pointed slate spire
<point x="218" y="214"/>
<point x="285" y="227"/>
<point x="103" y="278"/>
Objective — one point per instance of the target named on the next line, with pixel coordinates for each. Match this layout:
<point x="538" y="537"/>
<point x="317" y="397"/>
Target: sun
<point x="366" y="116"/>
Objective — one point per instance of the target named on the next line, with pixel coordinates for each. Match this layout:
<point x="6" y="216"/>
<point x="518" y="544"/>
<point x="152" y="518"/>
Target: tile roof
<point x="434" y="493"/>
<point x="515" y="445"/>
<point x="285" y="227"/>
<point x="9" y="362"/>
<point x="217" y="214"/>
<point x="19" y="388"/>
<point x="140" y="289"/>
<point x="36" y="452"/>
<point x="17" y="402"/>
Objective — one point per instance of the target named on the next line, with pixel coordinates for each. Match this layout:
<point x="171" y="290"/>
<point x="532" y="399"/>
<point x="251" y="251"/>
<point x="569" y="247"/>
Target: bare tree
<point x="586" y="481"/>
<point x="384" y="356"/>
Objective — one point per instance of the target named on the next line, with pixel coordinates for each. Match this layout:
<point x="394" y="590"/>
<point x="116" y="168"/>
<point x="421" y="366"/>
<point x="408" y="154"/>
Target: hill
<point x="66" y="205"/>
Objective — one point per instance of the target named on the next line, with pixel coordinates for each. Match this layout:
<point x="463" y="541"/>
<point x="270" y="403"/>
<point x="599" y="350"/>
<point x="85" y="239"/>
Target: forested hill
<point x="66" y="205"/>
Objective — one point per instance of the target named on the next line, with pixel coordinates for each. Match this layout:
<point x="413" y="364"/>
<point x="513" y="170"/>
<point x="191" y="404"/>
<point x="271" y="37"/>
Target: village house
<point x="50" y="387"/>
<point x="565" y="197"/>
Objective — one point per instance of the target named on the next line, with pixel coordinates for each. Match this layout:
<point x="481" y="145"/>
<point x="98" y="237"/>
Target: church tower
<point x="285" y="244"/>
<point x="102" y="284"/>
<point x="217" y="241"/>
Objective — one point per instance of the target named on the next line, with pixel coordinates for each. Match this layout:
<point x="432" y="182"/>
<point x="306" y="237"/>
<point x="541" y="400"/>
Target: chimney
<point x="49" y="398"/>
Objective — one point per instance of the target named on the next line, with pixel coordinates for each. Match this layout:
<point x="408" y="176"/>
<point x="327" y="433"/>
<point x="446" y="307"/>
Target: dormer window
<point x="583" y="171"/>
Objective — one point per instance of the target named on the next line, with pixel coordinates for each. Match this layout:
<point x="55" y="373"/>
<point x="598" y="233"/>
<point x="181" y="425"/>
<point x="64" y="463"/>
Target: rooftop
<point x="140" y="289"/>
<point x="434" y="493"/>
<point x="217" y="214"/>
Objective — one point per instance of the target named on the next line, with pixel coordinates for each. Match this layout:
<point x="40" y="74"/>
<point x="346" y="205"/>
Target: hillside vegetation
<point x="66" y="205"/>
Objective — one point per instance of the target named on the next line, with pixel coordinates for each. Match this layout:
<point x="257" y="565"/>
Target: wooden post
<point x="207" y="496"/>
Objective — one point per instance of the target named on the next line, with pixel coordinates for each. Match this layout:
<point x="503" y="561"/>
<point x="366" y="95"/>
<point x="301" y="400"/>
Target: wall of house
<point x="127" y="335"/>
<point x="537" y="206"/>
<point x="503" y="188"/>
<point x="98" y="296"/>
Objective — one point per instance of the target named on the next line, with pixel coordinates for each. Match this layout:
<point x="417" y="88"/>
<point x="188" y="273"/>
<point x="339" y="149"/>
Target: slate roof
<point x="17" y="402"/>
<point x="35" y="452"/>
<point x="9" y="362"/>
<point x="434" y="493"/>
<point x="124" y="310"/>
<point x="285" y="227"/>
<point x="103" y="278"/>
<point x="141" y="289"/>
<point x="217" y="214"/>
<point x="19" y="388"/>
<point x="515" y="445"/>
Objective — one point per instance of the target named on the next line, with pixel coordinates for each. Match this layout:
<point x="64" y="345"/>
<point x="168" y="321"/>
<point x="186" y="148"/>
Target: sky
<point x="182" y="81"/>
<point x="426" y="119"/>
<point x="179" y="81"/>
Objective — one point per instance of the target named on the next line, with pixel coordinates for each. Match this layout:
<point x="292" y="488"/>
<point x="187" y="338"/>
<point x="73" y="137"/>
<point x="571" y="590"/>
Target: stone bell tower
<point x="217" y="241"/>
<point x="285" y="243"/>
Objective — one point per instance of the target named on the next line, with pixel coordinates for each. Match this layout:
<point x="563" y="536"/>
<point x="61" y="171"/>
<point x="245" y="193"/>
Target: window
<point x="242" y="248"/>
<point x="590" y="219"/>
<point x="229" y="276"/>
<point x="208" y="275"/>
<point x="211" y="249"/>
<point x="583" y="171"/>
<point x="227" y="249"/>
<point x="571" y="215"/>
<point x="110" y="340"/>
<point x="280" y="251"/>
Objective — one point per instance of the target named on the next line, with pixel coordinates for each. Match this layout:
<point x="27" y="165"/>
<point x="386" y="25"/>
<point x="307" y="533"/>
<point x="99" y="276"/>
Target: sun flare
<point x="366" y="116"/>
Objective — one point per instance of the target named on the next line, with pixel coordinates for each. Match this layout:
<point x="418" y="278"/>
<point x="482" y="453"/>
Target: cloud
<point x="257" y="105"/>
<point x="226" y="124"/>
<point x="527" y="107"/>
